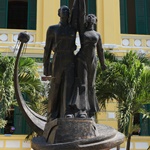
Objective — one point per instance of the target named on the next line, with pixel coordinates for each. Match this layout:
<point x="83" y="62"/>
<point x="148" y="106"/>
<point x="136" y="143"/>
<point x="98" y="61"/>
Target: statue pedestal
<point x="77" y="134"/>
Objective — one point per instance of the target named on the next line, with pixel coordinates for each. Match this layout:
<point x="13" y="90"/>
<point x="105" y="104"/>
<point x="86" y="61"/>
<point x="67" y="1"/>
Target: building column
<point x="108" y="12"/>
<point x="50" y="15"/>
<point x="100" y="18"/>
<point x="39" y="23"/>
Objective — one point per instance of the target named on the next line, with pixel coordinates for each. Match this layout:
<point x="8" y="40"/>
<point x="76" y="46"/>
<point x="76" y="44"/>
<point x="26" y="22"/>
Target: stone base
<point x="77" y="134"/>
<point x="68" y="130"/>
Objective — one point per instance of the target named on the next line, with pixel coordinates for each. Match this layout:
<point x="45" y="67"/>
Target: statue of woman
<point x="84" y="98"/>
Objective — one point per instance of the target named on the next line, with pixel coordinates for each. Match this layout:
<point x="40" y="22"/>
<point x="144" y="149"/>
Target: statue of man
<point x="60" y="39"/>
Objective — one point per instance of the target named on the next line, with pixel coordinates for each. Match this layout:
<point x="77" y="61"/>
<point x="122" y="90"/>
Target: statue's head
<point x="91" y="19"/>
<point x="64" y="12"/>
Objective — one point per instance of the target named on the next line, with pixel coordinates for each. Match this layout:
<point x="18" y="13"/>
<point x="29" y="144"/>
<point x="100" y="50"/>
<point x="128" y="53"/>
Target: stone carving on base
<point x="72" y="101"/>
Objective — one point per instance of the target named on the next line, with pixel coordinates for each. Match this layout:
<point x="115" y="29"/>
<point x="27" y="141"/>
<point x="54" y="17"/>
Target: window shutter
<point x="64" y="2"/>
<point x="148" y="16"/>
<point x="123" y="16"/>
<point x="1" y="116"/>
<point x="32" y="7"/>
<point x="91" y="7"/>
<point x="18" y="120"/>
<point x="145" y="124"/>
<point x="20" y="123"/>
<point x="1" y="131"/>
<point x="3" y="13"/>
<point x="140" y="16"/>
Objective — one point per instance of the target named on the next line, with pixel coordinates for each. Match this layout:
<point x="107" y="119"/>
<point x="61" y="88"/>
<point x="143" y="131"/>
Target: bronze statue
<point x="60" y="39"/>
<point x="84" y="98"/>
<point x="72" y="87"/>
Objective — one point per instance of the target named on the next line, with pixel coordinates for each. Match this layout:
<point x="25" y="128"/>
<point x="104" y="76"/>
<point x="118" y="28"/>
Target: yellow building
<point x="123" y="24"/>
<point x="120" y="30"/>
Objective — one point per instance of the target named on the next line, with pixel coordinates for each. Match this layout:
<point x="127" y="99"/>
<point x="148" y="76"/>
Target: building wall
<point x="14" y="142"/>
<point x="109" y="117"/>
<point x="108" y="14"/>
<point x="17" y="142"/>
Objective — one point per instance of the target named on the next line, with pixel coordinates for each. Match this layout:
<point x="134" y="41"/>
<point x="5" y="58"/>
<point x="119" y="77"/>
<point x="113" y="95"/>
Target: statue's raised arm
<point x="81" y="18"/>
<point x="78" y="16"/>
<point x="75" y="15"/>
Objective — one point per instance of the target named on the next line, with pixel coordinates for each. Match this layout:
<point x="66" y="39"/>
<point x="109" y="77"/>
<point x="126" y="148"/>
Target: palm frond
<point x="127" y="81"/>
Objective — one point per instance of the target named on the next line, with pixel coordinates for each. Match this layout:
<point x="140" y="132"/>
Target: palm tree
<point x="106" y="80"/>
<point x="127" y="81"/>
<point x="136" y="77"/>
<point x="6" y="87"/>
<point x="30" y="86"/>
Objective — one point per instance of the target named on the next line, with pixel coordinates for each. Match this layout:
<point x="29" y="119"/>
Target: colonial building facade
<point x="124" y="25"/>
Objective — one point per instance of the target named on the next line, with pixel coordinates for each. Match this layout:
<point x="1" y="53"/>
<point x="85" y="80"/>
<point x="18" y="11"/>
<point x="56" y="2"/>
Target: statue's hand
<point x="46" y="71"/>
<point x="104" y="67"/>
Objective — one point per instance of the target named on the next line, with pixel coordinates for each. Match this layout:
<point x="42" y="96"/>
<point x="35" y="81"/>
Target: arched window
<point x="18" y="14"/>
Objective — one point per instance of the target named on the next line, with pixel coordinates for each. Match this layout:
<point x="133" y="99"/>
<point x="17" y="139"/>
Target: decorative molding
<point x="13" y="144"/>
<point x="26" y="144"/>
<point x="3" y="37"/>
<point x="109" y="46"/>
<point x="111" y="115"/>
<point x="125" y="42"/>
<point x="137" y="42"/>
<point x="1" y="144"/>
<point x="15" y="37"/>
<point x="31" y="38"/>
<point x="141" y="145"/>
<point x="148" y="43"/>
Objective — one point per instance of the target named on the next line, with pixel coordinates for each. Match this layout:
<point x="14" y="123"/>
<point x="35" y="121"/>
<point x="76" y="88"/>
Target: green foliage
<point x="6" y="87"/>
<point x="6" y="83"/>
<point x="128" y="82"/>
<point x="30" y="86"/>
<point x="27" y="65"/>
<point x="106" y="80"/>
<point x="2" y="123"/>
